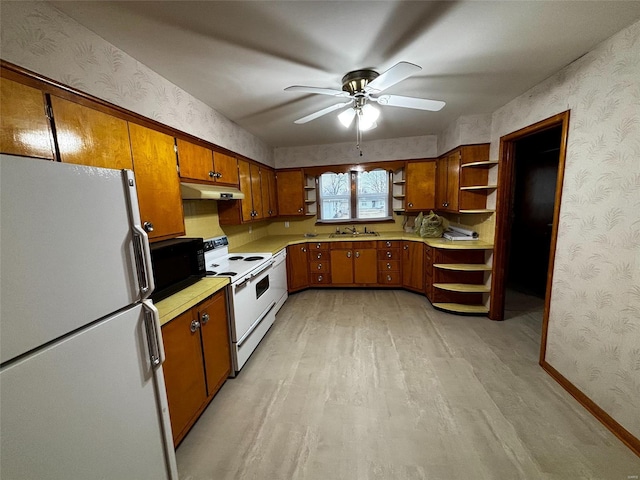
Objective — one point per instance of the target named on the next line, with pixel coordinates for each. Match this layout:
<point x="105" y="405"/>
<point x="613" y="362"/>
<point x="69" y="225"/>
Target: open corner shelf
<point x="462" y="308"/>
<point x="484" y="163"/>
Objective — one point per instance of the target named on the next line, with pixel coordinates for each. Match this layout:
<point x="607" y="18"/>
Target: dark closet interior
<point x="531" y="218"/>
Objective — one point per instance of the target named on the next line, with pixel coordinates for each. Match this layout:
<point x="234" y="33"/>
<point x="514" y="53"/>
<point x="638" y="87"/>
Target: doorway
<point x="531" y="171"/>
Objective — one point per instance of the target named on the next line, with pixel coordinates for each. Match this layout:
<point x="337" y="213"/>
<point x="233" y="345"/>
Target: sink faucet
<point x="352" y="230"/>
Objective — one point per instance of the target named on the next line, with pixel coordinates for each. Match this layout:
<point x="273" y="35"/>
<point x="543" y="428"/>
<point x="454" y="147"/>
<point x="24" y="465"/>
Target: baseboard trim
<point x="618" y="430"/>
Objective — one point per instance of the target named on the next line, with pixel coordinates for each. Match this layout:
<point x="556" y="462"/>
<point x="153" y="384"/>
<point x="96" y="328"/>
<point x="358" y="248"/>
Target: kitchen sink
<point x="353" y="235"/>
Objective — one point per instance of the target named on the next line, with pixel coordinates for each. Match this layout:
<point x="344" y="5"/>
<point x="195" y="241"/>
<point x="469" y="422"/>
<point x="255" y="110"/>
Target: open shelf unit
<point x="311" y="207"/>
<point x="398" y="183"/>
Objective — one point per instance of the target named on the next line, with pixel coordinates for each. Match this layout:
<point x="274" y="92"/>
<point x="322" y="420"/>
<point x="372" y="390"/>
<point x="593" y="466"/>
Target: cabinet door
<point x="297" y="267"/>
<point x="90" y="137"/>
<point x="154" y="163"/>
<point x="412" y="265"/>
<point x="24" y="126"/>
<point x="441" y="182"/>
<point x="290" y="193"/>
<point x="215" y="341"/>
<point x="226" y="169"/>
<point x="420" y="185"/>
<point x="195" y="162"/>
<point x="256" y="192"/>
<point x="342" y="267"/>
<point x="453" y="181"/>
<point x="268" y="183"/>
<point x="244" y="171"/>
<point x="183" y="373"/>
<point x="365" y="266"/>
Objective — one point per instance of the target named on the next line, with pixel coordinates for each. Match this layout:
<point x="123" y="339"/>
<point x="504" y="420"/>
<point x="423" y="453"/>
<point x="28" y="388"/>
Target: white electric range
<point x="254" y="294"/>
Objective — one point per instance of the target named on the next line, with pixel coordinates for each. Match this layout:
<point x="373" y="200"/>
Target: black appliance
<point x="177" y="263"/>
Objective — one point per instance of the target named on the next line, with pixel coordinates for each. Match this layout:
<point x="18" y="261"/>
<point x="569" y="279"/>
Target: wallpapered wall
<point x="38" y="37"/>
<point x="374" y="150"/>
<point x="465" y="130"/>
<point x="594" y="324"/>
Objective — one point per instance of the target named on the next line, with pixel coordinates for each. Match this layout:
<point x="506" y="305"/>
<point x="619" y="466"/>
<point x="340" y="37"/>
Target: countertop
<point x="274" y="243"/>
<point x="180" y="302"/>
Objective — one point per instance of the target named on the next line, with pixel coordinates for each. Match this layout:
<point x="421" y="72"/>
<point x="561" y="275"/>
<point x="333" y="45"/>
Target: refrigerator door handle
<point x="143" y="261"/>
<point x="154" y="333"/>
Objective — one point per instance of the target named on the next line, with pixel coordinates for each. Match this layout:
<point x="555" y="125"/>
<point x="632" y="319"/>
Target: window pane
<point x="373" y="194"/>
<point x="335" y="195"/>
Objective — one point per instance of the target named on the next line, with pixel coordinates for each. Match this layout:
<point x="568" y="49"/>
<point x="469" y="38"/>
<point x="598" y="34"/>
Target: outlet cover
<point x="286" y="224"/>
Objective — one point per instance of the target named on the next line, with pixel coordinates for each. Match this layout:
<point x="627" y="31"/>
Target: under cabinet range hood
<point x="199" y="191"/>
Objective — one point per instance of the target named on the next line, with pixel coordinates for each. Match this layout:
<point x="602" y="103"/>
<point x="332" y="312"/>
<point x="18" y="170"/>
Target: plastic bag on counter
<point x="431" y="226"/>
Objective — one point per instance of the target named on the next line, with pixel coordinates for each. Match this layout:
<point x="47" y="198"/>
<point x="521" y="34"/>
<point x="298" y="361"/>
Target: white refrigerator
<point x="82" y="392"/>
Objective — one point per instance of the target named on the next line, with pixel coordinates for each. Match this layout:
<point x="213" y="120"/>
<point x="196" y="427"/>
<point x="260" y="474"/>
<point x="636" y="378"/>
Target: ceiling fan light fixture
<point x="346" y="117"/>
<point x="368" y="115"/>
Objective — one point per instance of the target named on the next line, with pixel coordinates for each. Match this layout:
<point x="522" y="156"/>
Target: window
<point x="354" y="196"/>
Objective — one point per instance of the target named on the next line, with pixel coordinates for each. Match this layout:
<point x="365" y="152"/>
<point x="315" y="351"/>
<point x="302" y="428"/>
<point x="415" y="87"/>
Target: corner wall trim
<point x="618" y="430"/>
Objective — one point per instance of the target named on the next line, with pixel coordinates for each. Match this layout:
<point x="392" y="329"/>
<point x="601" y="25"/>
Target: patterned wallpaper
<point x="465" y="130"/>
<point x="38" y="37"/>
<point x="594" y="323"/>
<point x="375" y="150"/>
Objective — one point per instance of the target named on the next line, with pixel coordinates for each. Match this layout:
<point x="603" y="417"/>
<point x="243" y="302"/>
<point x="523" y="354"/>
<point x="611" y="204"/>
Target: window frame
<point x="353" y="189"/>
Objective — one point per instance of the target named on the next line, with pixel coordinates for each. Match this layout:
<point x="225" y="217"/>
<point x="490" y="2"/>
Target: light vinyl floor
<point x="376" y="384"/>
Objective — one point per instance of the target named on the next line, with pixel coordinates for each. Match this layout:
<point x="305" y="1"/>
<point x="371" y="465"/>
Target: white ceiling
<point x="238" y="56"/>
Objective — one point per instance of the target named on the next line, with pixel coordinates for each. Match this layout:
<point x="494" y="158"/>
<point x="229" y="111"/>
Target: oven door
<point x="253" y="297"/>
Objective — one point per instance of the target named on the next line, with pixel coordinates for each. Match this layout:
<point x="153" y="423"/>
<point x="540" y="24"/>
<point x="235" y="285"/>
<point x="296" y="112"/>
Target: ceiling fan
<point x="364" y="86"/>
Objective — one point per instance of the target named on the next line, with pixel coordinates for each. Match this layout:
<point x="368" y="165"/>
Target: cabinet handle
<point x="300" y="209"/>
<point x="319" y="278"/>
<point x="218" y="175"/>
<point x="388" y="266"/>
<point x="205" y="318"/>
<point x="357" y="254"/>
<point x="388" y="244"/>
<point x="148" y="227"/>
<point x="319" y="266"/>
<point x="212" y="174"/>
<point x="318" y="245"/>
<point x="389" y="255"/>
<point x="304" y="250"/>
<point x="319" y="256"/>
<point x="348" y="254"/>
<point x="410" y="204"/>
<point x="195" y="324"/>
<point x="388" y="278"/>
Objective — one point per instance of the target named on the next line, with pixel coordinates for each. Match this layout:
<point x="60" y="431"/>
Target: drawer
<point x="319" y="266"/>
<point x="389" y="254"/>
<point x="315" y="255"/>
<point x="389" y="278"/>
<point x="389" y="244"/>
<point x="318" y="246"/>
<point x="388" y="266"/>
<point x="320" y="278"/>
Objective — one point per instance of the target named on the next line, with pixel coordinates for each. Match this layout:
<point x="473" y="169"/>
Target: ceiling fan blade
<point x="322" y="112"/>
<point x="321" y="91"/>
<point x="410" y="102"/>
<point x="394" y="75"/>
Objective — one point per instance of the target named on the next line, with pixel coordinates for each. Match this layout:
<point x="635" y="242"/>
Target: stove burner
<point x="253" y="259"/>
<point x="237" y="257"/>
<point x="230" y="274"/>
<point x="211" y="272"/>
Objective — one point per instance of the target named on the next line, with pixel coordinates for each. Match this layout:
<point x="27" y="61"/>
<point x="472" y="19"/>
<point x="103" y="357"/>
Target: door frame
<point x="504" y="207"/>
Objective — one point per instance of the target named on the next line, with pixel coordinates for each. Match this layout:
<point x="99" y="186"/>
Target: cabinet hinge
<point x="48" y="112"/>
<point x="178" y="168"/>
<point x="175" y="148"/>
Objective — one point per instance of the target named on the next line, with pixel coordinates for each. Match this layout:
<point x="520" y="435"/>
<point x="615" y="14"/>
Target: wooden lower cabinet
<point x="412" y="266"/>
<point x="365" y="265"/>
<point x="198" y="361"/>
<point x="297" y="267"/>
<point x="428" y="272"/>
<point x="342" y="264"/>
<point x="389" y="263"/>
<point x="354" y="264"/>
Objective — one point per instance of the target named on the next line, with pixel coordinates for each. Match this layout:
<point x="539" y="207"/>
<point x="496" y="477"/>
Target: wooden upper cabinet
<point x="268" y="185"/>
<point x="256" y="192"/>
<point x="201" y="163"/>
<point x="24" y="125"/>
<point x="90" y="137"/>
<point x="290" y="185"/>
<point x="196" y="162"/>
<point x="212" y="314"/>
<point x="154" y="164"/>
<point x="225" y="168"/>
<point x="244" y="170"/>
<point x="420" y="187"/>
